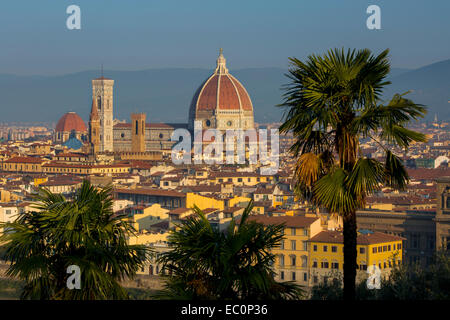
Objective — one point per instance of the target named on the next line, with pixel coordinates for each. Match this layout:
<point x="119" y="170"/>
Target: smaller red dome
<point x="70" y="121"/>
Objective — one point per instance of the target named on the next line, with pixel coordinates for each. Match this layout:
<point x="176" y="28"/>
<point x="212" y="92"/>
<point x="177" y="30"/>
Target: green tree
<point x="413" y="282"/>
<point x="205" y="263"/>
<point x="405" y="282"/>
<point x="331" y="102"/>
<point x="85" y="232"/>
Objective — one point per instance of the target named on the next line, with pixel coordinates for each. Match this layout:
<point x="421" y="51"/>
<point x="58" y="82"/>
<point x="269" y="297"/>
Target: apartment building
<point x="373" y="249"/>
<point x="292" y="256"/>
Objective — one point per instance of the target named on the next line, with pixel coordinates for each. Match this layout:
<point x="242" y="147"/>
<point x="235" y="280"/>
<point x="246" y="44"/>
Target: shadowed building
<point x="416" y="226"/>
<point x="443" y="213"/>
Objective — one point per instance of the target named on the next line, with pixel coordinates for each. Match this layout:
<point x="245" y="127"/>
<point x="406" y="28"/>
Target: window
<point x="315" y="279"/>
<point x="293" y="276"/>
<point x="389" y="247"/>
<point x="282" y="275"/>
<point x="324" y="264"/>
<point x="293" y="260"/>
<point x="315" y="248"/>
<point x="362" y="250"/>
<point x="325" y="248"/>
<point x="282" y="260"/>
<point x="304" y="261"/>
<point x="333" y="249"/>
<point x="239" y="179"/>
<point x="374" y="250"/>
<point x="293" y="245"/>
<point x="292" y="231"/>
<point x="305" y="276"/>
<point x="314" y="265"/>
<point x="399" y="246"/>
<point x="334" y="265"/>
<point x="305" y="232"/>
<point x="282" y="245"/>
<point x="430" y="242"/>
<point x="305" y="246"/>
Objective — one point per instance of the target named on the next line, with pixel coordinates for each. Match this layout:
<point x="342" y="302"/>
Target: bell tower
<point x="102" y="93"/>
<point x="138" y="132"/>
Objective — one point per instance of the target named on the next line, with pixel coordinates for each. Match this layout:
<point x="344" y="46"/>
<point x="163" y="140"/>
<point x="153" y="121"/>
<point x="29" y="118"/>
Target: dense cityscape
<point x="155" y="195"/>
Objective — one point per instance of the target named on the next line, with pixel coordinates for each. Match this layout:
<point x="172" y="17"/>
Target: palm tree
<point x="331" y="102"/>
<point x="84" y="232"/>
<point x="205" y="263"/>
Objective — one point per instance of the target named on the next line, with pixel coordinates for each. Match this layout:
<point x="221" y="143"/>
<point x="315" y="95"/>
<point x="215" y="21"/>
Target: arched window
<point x="281" y="257"/>
<point x="304" y="261"/>
<point x="293" y="260"/>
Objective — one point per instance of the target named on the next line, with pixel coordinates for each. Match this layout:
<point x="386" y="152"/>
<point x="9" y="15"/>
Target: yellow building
<point x="23" y="164"/>
<point x="283" y="198"/>
<point x="39" y="180"/>
<point x="292" y="257"/>
<point x="373" y="248"/>
<point x="84" y="169"/>
<point x="144" y="217"/>
<point x="7" y="196"/>
<point x="203" y="202"/>
<point x="239" y="178"/>
<point x="238" y="200"/>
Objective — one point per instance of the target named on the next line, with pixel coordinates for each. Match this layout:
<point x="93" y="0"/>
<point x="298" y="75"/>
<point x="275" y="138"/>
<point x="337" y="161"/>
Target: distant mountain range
<point x="165" y="94"/>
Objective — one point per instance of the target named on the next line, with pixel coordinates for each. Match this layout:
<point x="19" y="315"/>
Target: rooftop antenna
<point x="102" y="70"/>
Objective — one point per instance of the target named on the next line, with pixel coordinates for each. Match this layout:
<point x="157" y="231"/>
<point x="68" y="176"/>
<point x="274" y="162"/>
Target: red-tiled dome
<point x="221" y="91"/>
<point x="70" y="121"/>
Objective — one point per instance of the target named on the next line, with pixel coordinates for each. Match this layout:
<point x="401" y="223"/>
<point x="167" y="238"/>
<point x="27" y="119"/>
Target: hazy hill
<point x="165" y="94"/>
<point x="429" y="85"/>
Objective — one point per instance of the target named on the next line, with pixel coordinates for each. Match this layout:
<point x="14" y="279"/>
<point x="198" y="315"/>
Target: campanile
<point x="102" y="92"/>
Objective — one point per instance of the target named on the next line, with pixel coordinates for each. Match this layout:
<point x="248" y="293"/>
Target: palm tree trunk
<point x="350" y="236"/>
